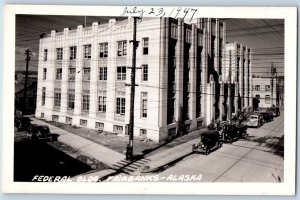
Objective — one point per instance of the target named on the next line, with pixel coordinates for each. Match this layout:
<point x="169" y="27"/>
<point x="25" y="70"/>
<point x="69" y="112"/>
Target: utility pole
<point x="129" y="149"/>
<point x="273" y="71"/>
<point x="27" y="53"/>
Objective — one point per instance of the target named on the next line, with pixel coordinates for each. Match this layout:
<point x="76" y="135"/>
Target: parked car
<point x="276" y="111"/>
<point x="209" y="142"/>
<point x="22" y="123"/>
<point x="229" y="132"/>
<point x="241" y="131"/>
<point x="267" y="116"/>
<point x="40" y="132"/>
<point x="254" y="120"/>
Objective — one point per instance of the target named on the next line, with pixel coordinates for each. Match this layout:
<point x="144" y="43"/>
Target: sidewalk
<point x="163" y="158"/>
<point x="116" y="160"/>
<point x="86" y="147"/>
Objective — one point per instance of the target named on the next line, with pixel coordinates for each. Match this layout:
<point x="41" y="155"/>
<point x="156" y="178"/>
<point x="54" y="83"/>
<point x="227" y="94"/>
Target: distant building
<point x="31" y="92"/>
<point x="236" y="80"/>
<point x="82" y="75"/>
<point x="30" y="100"/>
<point x="265" y="90"/>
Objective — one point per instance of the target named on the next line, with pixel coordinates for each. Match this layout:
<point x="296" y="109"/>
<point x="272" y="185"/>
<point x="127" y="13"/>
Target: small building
<point x="265" y="90"/>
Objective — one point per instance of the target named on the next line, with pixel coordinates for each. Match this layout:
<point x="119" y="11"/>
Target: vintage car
<point x="40" y="132"/>
<point x="254" y="120"/>
<point x="22" y="123"/>
<point x="229" y="132"/>
<point x="267" y="116"/>
<point x="276" y="111"/>
<point x="241" y="131"/>
<point x="209" y="142"/>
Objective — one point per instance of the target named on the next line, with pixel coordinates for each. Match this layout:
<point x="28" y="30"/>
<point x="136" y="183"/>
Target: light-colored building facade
<point x="265" y="91"/>
<point x="83" y="73"/>
<point x="236" y="80"/>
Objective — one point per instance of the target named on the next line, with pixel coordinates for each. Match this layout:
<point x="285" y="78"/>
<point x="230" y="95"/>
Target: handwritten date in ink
<point x="178" y="12"/>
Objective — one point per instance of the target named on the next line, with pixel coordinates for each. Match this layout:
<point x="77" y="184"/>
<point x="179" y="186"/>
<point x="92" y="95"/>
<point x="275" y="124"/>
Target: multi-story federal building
<point x="83" y="73"/>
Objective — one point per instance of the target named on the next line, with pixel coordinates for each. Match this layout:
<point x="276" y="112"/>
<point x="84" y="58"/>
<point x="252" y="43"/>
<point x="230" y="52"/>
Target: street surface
<point x="256" y="159"/>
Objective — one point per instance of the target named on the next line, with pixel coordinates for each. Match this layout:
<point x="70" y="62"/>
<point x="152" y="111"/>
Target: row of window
<point x="120" y="102"/>
<point x="257" y="88"/>
<point x="267" y="98"/>
<point x="98" y="125"/>
<point x="103" y="50"/>
<point x="121" y="73"/>
<point x="188" y="35"/>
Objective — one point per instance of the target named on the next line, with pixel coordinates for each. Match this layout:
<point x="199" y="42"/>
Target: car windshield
<point x="253" y="117"/>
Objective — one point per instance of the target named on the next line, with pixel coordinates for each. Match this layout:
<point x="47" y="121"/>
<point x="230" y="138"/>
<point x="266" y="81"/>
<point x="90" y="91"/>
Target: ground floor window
<point x="99" y="125"/>
<point x="71" y="101"/>
<point x="268" y="99"/>
<point x="118" y="129"/>
<point x="199" y="124"/>
<point x="85" y="102"/>
<point x="83" y="122"/>
<point x="57" y="99"/>
<point x="42" y="115"/>
<point x="55" y="118"/>
<point x="120" y="105"/>
<point x="69" y="120"/>
<point x="143" y="133"/>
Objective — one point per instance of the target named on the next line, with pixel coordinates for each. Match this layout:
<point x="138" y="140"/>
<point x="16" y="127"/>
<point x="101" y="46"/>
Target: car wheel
<point x="207" y="151"/>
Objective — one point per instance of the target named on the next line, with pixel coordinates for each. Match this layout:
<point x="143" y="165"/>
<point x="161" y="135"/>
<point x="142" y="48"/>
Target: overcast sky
<point x="264" y="36"/>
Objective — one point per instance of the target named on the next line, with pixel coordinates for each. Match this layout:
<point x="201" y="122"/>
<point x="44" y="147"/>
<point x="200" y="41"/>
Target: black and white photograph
<point x="143" y="95"/>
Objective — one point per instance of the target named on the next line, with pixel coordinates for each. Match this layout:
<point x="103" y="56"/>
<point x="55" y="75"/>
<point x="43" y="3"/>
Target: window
<point x="199" y="124"/>
<point x="122" y="48"/>
<point x="144" y="106"/>
<point x="173" y="30"/>
<point x="73" y="52"/>
<point x="102" y="104"/>
<point x="188" y="36"/>
<point x="200" y="38"/>
<point x="144" y="72"/>
<point x="85" y="102"/>
<point x="121" y="73"/>
<point x="55" y="118"/>
<point x="120" y="106"/>
<point x="103" y="50"/>
<point x="103" y="73"/>
<point x="59" y="53"/>
<point x="118" y="129"/>
<point x="71" y="101"/>
<point x="45" y="73"/>
<point x="42" y="115"/>
<point x="145" y="46"/>
<point x="43" y="96"/>
<point x="86" y="74"/>
<point x="57" y="98"/>
<point x="83" y="122"/>
<point x="257" y="87"/>
<point x="268" y="87"/>
<point x="72" y="74"/>
<point x="45" y="54"/>
<point x="143" y="133"/>
<point x="99" y="125"/>
<point x="69" y="120"/>
<point x="87" y="51"/>
<point x="267" y="99"/>
<point x="58" y="73"/>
